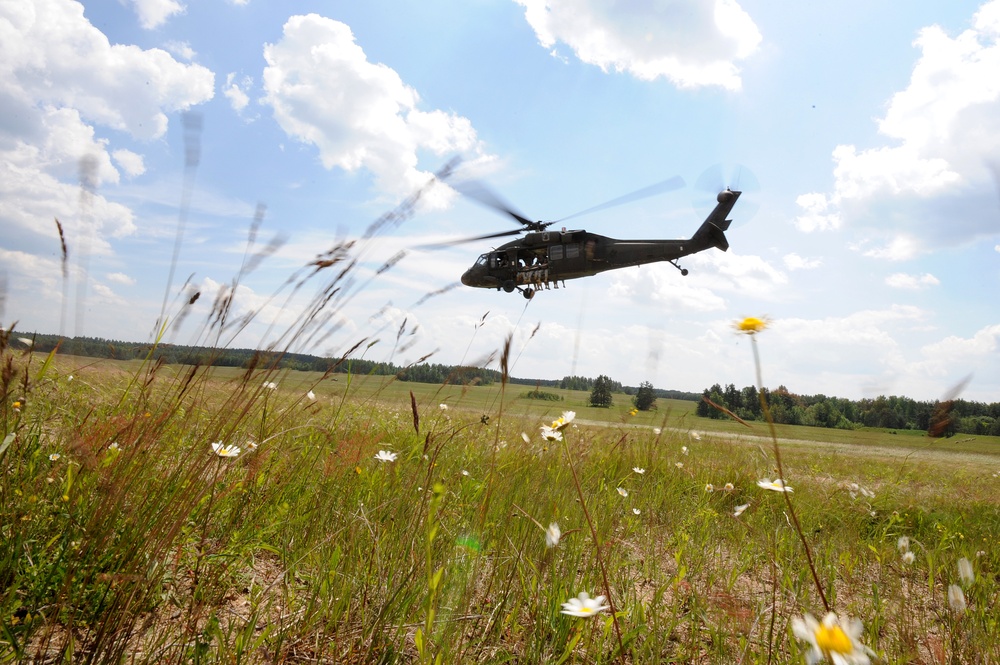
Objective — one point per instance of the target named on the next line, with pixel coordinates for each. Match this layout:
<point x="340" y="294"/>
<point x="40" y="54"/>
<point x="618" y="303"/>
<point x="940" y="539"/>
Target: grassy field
<point x="362" y="522"/>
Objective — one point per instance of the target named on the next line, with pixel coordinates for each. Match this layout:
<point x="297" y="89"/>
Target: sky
<point x="169" y="136"/>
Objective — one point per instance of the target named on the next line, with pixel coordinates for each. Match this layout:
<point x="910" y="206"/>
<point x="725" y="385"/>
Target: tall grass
<point x="125" y="538"/>
<point x="307" y="548"/>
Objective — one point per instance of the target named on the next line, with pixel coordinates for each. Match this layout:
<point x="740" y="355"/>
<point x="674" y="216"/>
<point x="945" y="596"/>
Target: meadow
<point x="361" y="519"/>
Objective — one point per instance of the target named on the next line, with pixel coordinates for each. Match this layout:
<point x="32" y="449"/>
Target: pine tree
<point x="644" y="397"/>
<point x="601" y="394"/>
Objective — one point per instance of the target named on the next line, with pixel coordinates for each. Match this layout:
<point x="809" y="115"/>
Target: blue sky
<point x="873" y="243"/>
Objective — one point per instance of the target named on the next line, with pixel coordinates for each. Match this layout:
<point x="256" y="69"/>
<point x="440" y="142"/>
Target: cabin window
<point x="555" y="252"/>
<point x="573" y="250"/>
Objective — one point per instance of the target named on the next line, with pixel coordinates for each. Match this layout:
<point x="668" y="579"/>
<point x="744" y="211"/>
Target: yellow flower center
<point x="751" y="324"/>
<point x="833" y="639"/>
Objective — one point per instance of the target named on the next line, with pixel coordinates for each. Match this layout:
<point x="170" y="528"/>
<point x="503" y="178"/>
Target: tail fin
<point x="711" y="232"/>
<point x="710" y="235"/>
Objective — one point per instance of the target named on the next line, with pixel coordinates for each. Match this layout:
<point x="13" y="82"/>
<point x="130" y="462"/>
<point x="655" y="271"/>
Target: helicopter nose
<point x="471" y="277"/>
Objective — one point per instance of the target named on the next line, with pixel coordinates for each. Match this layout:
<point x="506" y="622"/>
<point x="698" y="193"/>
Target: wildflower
<point x="908" y="557"/>
<point x="270" y="385"/>
<point x="311" y="396"/>
<point x="639" y="470"/>
<point x="443" y="407"/>
<point x="223" y="450"/>
<point x="251" y="444"/>
<point x="751" y="325"/>
<point x="709" y="487"/>
<point x="524" y="435"/>
<point x="684" y="450"/>
<point x="633" y="412"/>
<point x="778" y="485"/>
<point x="679" y="465"/>
<point x="695" y="435"/>
<point x="656" y="431"/>
<point x="464" y="472"/>
<point x="16" y="404"/>
<point x="834" y="639"/>
<point x="54" y="457"/>
<point x="636" y="511"/>
<point x="27" y="342"/>
<point x="386" y="456"/>
<point x="550" y="433"/>
<point x="552" y="535"/>
<point x="965" y="573"/>
<point x="623" y="491"/>
<point x="69" y="378"/>
<point x="563" y="421"/>
<point x="956" y="598"/>
<point x="114" y="446"/>
<point x="903" y="543"/>
<point x="584" y="606"/>
<point x="739" y="509"/>
<point x="729" y="487"/>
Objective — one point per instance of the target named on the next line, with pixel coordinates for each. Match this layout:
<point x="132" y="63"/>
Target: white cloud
<point x="154" y="13"/>
<point x="130" y="162"/>
<point x="795" y="262"/>
<point x="120" y="278"/>
<point x="964" y="355"/>
<point x="61" y="83"/>
<point x="899" y="248"/>
<point x="901" y="280"/>
<point x="359" y="114"/>
<point x="930" y="179"/>
<point x="692" y="43"/>
<point x="816" y="216"/>
<point x="52" y="56"/>
<point x="236" y="92"/>
<point x="182" y="50"/>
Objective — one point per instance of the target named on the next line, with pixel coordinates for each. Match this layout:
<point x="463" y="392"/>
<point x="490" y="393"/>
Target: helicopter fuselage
<point x="542" y="258"/>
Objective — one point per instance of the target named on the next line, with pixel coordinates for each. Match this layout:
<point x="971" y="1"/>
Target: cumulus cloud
<point x="941" y="358"/>
<point x="358" y="114"/>
<point x="899" y="248"/>
<point x="691" y="43"/>
<point x="718" y="273"/>
<point x="795" y="262"/>
<point x="129" y="162"/>
<point x="53" y="57"/>
<point x="154" y="13"/>
<point x="929" y="182"/>
<point x="182" y="50"/>
<point x="120" y="278"/>
<point x="236" y="91"/>
<point x="62" y="84"/>
<point x="902" y="280"/>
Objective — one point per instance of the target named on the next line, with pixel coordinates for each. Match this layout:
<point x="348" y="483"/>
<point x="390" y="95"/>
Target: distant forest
<point x="937" y="418"/>
<point x="894" y="413"/>
<point x="96" y="347"/>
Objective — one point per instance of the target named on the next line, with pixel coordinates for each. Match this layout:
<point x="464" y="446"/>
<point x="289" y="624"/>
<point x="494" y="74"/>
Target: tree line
<point x="939" y="418"/>
<point x="99" y="347"/>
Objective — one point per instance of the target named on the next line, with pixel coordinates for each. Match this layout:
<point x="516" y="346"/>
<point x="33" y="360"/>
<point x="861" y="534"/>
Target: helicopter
<point x="543" y="258"/>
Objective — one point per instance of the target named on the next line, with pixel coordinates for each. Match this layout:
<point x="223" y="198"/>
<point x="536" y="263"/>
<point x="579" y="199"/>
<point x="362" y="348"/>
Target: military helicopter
<point x="543" y="258"/>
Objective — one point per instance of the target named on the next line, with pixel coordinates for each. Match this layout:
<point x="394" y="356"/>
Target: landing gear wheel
<point x="528" y="293"/>
<point x="508" y="286"/>
<point x="684" y="272"/>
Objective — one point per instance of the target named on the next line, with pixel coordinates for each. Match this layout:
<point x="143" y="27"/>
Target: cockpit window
<point x="482" y="260"/>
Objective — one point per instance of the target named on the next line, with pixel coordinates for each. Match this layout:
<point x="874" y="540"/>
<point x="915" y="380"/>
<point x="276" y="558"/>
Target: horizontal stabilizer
<point x="710" y="235"/>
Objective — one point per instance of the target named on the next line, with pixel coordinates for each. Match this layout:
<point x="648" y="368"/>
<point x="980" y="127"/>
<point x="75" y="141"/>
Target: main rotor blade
<point x="479" y="192"/>
<point x="461" y="241"/>
<point x="659" y="188"/>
